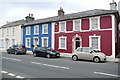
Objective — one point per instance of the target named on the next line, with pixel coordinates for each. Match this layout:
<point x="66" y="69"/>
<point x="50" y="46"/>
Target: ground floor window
<point x="95" y="42"/>
<point x="13" y="41"/>
<point x="28" y="42"/>
<point x="2" y="43"/>
<point x="62" y="42"/>
<point x="45" y="42"/>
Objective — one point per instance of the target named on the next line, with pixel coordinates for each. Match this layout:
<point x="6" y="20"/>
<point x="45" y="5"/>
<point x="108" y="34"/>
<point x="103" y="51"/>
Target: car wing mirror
<point x="90" y="51"/>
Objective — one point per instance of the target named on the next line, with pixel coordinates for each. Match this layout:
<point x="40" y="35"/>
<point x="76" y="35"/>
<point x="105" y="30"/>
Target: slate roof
<point x="18" y="22"/>
<point x="82" y="14"/>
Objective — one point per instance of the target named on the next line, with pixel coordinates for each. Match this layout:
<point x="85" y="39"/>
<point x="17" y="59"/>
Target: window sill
<point x="44" y="33"/>
<point x="62" y="48"/>
<point x="27" y="34"/>
<point x="36" y="34"/>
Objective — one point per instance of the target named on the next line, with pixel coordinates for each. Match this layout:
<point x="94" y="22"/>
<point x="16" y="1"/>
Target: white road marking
<point x="11" y="59"/>
<point x="107" y="74"/>
<point x="50" y="65"/>
<point x="19" y="77"/>
<point x="4" y="72"/>
<point x="11" y="74"/>
<point x="15" y="59"/>
<point x="5" y="58"/>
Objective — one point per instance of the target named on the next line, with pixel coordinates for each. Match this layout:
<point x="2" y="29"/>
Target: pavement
<point x="69" y="55"/>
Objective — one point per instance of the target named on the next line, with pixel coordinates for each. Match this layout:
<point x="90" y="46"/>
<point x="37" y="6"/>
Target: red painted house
<point x="94" y="28"/>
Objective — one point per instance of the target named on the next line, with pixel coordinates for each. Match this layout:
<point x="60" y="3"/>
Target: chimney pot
<point x="61" y="12"/>
<point x="31" y="15"/>
<point x="113" y="6"/>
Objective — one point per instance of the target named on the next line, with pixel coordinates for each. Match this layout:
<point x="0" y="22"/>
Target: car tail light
<point x="18" y="48"/>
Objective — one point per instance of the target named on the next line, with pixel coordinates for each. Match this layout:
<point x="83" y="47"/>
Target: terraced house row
<point x="96" y="28"/>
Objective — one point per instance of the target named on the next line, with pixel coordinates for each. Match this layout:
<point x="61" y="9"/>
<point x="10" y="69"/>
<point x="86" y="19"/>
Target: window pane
<point x="77" y="25"/>
<point x="45" y="29"/>
<point x="62" y="42"/>
<point x="45" y="42"/>
<point x="63" y="27"/>
<point x="95" y="43"/>
<point x="95" y="23"/>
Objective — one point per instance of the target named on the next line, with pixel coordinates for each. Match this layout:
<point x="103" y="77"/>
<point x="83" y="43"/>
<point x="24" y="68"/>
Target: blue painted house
<point x="38" y="33"/>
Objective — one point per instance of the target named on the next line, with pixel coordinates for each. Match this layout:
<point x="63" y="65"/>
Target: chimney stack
<point x="29" y="18"/>
<point x="113" y="5"/>
<point x="61" y="12"/>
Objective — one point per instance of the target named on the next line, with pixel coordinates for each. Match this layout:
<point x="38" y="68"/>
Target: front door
<point x="35" y="42"/>
<point x="77" y="43"/>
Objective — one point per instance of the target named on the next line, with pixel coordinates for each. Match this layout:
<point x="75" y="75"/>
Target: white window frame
<point x="65" y="42"/>
<point x="7" y="31"/>
<point x="98" y="22"/>
<point x="75" y="26"/>
<point x="12" y="41"/>
<point x="13" y="31"/>
<point x="28" y="46"/>
<point x="43" y="27"/>
<point x="3" y="32"/>
<point x="60" y="26"/>
<point x="28" y="28"/>
<point x="43" y="41"/>
<point x="90" y="41"/>
<point x="36" y="27"/>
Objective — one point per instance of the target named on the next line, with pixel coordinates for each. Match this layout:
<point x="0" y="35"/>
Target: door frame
<point x="74" y="42"/>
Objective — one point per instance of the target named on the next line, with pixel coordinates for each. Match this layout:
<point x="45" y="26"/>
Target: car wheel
<point x="96" y="59"/>
<point x="16" y="53"/>
<point x="74" y="57"/>
<point x="48" y="55"/>
<point x="8" y="52"/>
<point x="34" y="54"/>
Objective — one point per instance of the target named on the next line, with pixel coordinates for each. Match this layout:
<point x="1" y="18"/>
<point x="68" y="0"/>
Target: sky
<point x="12" y="10"/>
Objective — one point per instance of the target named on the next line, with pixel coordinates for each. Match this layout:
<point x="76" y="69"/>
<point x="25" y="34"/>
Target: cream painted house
<point x="11" y="33"/>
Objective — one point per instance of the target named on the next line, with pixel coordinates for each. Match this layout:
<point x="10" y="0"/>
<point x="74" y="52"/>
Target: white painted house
<point x="11" y="33"/>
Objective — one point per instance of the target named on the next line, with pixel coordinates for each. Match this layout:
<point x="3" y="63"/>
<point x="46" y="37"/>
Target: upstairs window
<point x="36" y="29"/>
<point x="27" y="30"/>
<point x="62" y="27"/>
<point x="2" y="32"/>
<point x="7" y="29"/>
<point x="77" y="25"/>
<point x="13" y="30"/>
<point x="94" y="24"/>
<point x="45" y="29"/>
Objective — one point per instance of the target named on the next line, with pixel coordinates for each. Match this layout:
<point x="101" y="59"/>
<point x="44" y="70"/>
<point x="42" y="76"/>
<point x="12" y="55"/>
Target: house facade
<point x="38" y="33"/>
<point x="11" y="33"/>
<point x="94" y="28"/>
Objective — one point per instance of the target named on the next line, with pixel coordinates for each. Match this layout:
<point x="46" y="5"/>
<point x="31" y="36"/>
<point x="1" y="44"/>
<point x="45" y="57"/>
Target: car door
<point x="11" y="49"/>
<point x="87" y="55"/>
<point x="42" y="52"/>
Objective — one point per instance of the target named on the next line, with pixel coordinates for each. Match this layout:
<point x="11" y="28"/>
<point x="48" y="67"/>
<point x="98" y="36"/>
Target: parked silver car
<point x="88" y="53"/>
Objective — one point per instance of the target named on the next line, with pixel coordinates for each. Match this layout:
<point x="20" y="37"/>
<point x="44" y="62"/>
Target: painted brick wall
<point x="69" y="25"/>
<point x="85" y="23"/>
<point x="105" y="22"/>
